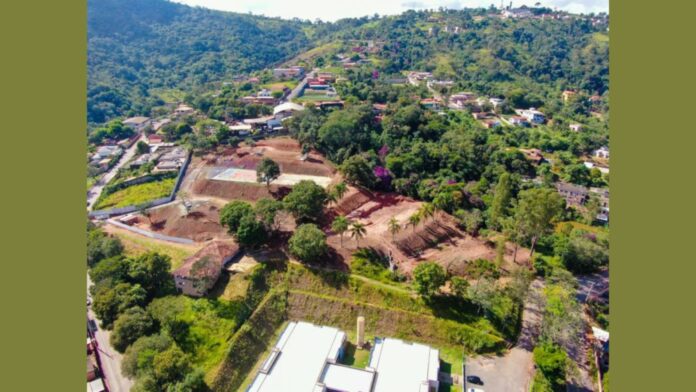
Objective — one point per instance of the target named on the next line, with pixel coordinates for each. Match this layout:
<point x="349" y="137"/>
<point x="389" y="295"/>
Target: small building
<point x="404" y="366"/>
<point x="137" y="123"/>
<point x="104" y="152"/>
<point x="431" y="103"/>
<point x="574" y="195"/>
<point x="183" y="110"/>
<point x="496" y="102"/>
<point x="516" y="13"/>
<point x="201" y="271"/>
<point x="534" y="155"/>
<point x="575" y="127"/>
<point x="533" y="116"/>
<point x="415" y="78"/>
<point x="96" y="385"/>
<point x="154" y="139"/>
<point x="490" y="123"/>
<point x="171" y="160"/>
<point x="285" y="73"/>
<point x="568" y="94"/>
<point x="602" y="152"/>
<point x="286" y="110"/>
<point x="519" y="121"/>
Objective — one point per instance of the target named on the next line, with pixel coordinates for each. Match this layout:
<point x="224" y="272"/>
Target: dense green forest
<point x="141" y="52"/>
<point x="137" y="46"/>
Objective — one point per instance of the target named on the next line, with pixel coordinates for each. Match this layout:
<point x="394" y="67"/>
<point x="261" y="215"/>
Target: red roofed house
<point x="201" y="271"/>
<point x="154" y="139"/>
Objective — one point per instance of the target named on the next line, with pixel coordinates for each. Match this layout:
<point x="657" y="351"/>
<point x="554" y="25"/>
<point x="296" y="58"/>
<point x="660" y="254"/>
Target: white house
<point x="496" y="102"/>
<point x="534" y="116"/>
<point x="137" y="123"/>
<point x="183" y="110"/>
<point x="602" y="152"/>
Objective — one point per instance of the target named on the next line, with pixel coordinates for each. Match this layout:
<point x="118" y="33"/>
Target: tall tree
<point x="308" y="243"/>
<point x="537" y="212"/>
<point x="267" y="171"/>
<point x="340" y="226"/>
<point x="502" y="196"/>
<point x="394" y="227"/>
<point x="357" y="231"/>
<point x="414" y="220"/>
<point x="428" y="277"/>
<point x="306" y="200"/>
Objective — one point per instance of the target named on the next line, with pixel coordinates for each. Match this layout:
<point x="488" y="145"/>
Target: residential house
<point x="104" y="152"/>
<point x="481" y="115"/>
<point x="518" y="121"/>
<point x="142" y="160"/>
<point x="155" y="139"/>
<point x="96" y="385"/>
<point x="307" y="357"/>
<point x="575" y="127"/>
<point x="286" y="109"/>
<point x="288" y="73"/>
<point x="415" y="78"/>
<point x="603" y="196"/>
<point x="534" y="116"/>
<point x="171" y="160"/>
<point x="602" y="152"/>
<point x="575" y="195"/>
<point x="490" y="123"/>
<point x="534" y="155"/>
<point x="431" y="103"/>
<point x="241" y="129"/>
<point x="327" y="76"/>
<point x="329" y="104"/>
<point x="263" y="97"/>
<point x="568" y="94"/>
<point x="496" y="102"/>
<point x="137" y="123"/>
<point x="516" y="13"/>
<point x="183" y="110"/>
<point x="200" y="272"/>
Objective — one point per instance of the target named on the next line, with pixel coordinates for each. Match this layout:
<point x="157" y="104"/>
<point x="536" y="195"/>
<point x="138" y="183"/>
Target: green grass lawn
<point x="168" y="95"/>
<point x="136" y="194"/>
<point x="278" y="86"/>
<point x="135" y="245"/>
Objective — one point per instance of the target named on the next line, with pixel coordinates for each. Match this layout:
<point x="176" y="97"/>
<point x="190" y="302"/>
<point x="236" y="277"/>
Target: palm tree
<point x="394" y="227"/>
<point x="414" y="220"/>
<point x="357" y="231"/>
<point x="427" y="210"/>
<point x="340" y="190"/>
<point x="331" y="196"/>
<point x="340" y="225"/>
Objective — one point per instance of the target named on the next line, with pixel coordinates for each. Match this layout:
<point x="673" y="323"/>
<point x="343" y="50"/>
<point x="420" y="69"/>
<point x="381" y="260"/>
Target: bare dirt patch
<point x="201" y="223"/>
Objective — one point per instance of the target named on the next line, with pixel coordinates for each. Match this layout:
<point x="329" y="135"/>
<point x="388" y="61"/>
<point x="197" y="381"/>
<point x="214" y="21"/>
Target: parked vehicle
<point x="474" y="380"/>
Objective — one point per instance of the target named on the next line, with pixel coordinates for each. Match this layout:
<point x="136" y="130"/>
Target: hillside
<point x="138" y="47"/>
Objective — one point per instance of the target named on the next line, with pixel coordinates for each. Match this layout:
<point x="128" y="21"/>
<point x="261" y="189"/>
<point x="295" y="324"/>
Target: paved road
<point x="296" y="91"/>
<point x="512" y="372"/>
<point x="110" y="359"/>
<point x="95" y="191"/>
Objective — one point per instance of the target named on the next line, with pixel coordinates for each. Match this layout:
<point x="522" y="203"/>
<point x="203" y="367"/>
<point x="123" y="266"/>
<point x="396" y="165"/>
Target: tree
<point x="537" y="212"/>
<point x="138" y="357"/>
<point x="582" y="255"/>
<point x="170" y="365"/>
<point x="428" y="278"/>
<point x="267" y="171"/>
<point x="266" y="210"/>
<point x="144" y="210"/>
<point x="394" y="227"/>
<point x="151" y="272"/>
<point x="250" y="231"/>
<point x="592" y="208"/>
<point x="471" y="220"/>
<point x="500" y="205"/>
<point x="483" y="294"/>
<point x="459" y="286"/>
<point x="114" y="268"/>
<point x="357" y="170"/>
<point x="142" y="147"/>
<point x="101" y="246"/>
<point x="414" y="220"/>
<point x="232" y="214"/>
<point x="109" y="303"/>
<point x="552" y="361"/>
<point x="357" y="231"/>
<point x="308" y="243"/>
<point x="426" y="210"/>
<point x="340" y="226"/>
<point x="130" y="326"/>
<point x="306" y="200"/>
<point x="340" y="190"/>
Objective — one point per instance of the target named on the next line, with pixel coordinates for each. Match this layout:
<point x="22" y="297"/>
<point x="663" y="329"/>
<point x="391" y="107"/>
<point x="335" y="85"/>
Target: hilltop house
<point x="183" y="110"/>
<point x="200" y="272"/>
<point x="137" y="123"/>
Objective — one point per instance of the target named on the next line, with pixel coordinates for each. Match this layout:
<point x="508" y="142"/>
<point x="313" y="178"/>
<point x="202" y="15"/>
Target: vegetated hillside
<point x="488" y="54"/>
<point x="135" y="46"/>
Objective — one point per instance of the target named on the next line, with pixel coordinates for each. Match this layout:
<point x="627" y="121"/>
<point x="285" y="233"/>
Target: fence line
<point x="104" y="214"/>
<point x="151" y="234"/>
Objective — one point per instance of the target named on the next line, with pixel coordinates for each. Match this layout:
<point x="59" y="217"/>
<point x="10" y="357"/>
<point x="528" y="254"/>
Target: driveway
<point x="296" y="91"/>
<point x="512" y="372"/>
<point x="96" y="190"/>
<point x="109" y="358"/>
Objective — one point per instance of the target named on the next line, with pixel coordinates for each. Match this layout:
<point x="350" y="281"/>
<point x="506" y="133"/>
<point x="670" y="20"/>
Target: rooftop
<point x="403" y="366"/>
<point x="217" y="253"/>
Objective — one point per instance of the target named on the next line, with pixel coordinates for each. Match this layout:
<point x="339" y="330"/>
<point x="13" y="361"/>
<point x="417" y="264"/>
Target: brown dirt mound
<point x="353" y="199"/>
<point x="201" y="224"/>
<point x="427" y="235"/>
<point x="237" y="190"/>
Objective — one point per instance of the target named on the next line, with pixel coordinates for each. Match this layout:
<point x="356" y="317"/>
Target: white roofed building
<point x="403" y="366"/>
<point x="286" y="109"/>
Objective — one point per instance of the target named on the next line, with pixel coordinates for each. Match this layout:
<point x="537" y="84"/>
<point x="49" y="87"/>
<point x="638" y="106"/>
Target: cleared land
<point x="200" y="178"/>
<point x="200" y="223"/>
<point x="137" y="194"/>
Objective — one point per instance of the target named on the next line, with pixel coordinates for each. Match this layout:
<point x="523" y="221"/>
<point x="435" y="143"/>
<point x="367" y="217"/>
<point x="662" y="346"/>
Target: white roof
<point x="287" y="106"/>
<point x="96" y="386"/>
<point x="240" y="127"/>
<point x="301" y="354"/>
<point x="347" y="379"/>
<point x="403" y="366"/>
<point x="136" y="120"/>
<point x="600" y="334"/>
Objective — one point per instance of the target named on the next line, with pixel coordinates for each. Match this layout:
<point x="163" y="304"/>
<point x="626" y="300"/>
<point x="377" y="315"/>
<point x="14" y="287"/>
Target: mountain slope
<point x="135" y="46"/>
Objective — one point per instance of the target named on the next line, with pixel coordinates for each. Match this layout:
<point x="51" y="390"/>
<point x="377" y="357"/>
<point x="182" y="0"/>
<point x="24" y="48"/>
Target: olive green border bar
<point x="652" y="190"/>
<point x="42" y="161"/>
